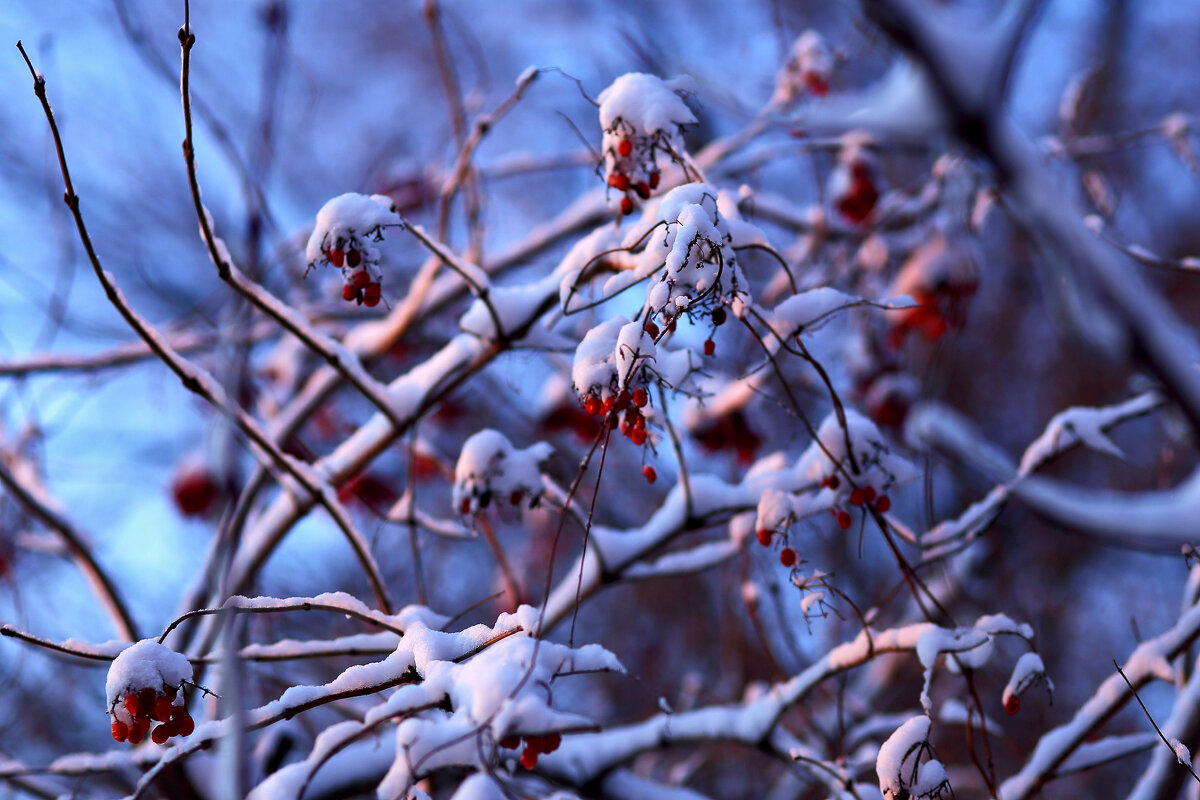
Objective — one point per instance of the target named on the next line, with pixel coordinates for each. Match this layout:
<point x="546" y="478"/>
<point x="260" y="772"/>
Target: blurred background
<point x="297" y="102"/>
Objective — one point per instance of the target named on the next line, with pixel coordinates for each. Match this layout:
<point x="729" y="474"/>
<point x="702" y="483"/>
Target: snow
<point x="898" y="756"/>
<point x="647" y="102"/>
<point x="144" y="665"/>
<point x="1182" y="754"/>
<point x="490" y="467"/>
<point x="350" y="220"/>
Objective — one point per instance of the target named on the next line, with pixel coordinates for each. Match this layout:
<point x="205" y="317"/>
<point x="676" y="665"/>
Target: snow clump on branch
<point x="489" y="466"/>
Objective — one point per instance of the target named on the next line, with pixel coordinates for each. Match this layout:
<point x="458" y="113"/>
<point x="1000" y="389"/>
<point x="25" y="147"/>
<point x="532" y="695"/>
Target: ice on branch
<point x="347" y="229"/>
<point x="144" y="682"/>
<point x="807" y="70"/>
<point x="901" y="772"/>
<point x="643" y="118"/>
<point x="489" y="467"/>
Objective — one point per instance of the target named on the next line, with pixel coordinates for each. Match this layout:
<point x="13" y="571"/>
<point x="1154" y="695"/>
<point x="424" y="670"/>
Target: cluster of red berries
<point x="787" y="556"/>
<point x="147" y="706"/>
<point x="858" y="496"/>
<point x="622" y="410"/>
<point x="534" y="747"/>
<point x="485" y="499"/>
<point x="357" y="284"/>
<point x="620" y="176"/>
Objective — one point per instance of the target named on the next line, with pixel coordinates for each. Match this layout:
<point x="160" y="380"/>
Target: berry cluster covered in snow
<point x="144" y="686"/>
<point x="643" y="118"/>
<point x="902" y="772"/>
<point x="489" y="467"/>
<point x="807" y="70"/>
<point x="347" y="230"/>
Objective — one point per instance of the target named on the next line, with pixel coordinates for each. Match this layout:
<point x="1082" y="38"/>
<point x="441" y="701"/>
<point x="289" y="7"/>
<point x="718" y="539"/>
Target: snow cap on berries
<point x="145" y="665"/>
<point x="642" y="117"/>
<point x="490" y="466"/>
<point x="345" y="234"/>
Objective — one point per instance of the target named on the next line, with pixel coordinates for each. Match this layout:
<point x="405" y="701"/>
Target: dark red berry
<point x="642" y="189"/>
<point x="529" y="757"/>
<point x="626" y="205"/>
<point x="619" y="181"/>
<point x="834" y="482"/>
<point x="883" y="504"/>
<point x="360" y="279"/>
<point x="133" y="704"/>
<point x="349" y="293"/>
<point x="638" y="435"/>
<point x="869" y="493"/>
<point x="639" y="397"/>
<point x="194" y="490"/>
<point x="120" y="731"/>
<point x="136" y="735"/>
<point x="353" y="258"/>
<point x="336" y="257"/>
<point x="592" y="405"/>
<point x="625" y="147"/>
<point x="843" y="520"/>
<point x="651" y="329"/>
<point x="371" y="294"/>
<point x="654" y="178"/>
<point x="857" y="496"/>
<point x="787" y="556"/>
<point x="1012" y="705"/>
<point x="160" y="735"/>
<point x="510" y="742"/>
<point x="764" y="537"/>
<point x="465" y="505"/>
<point x="186" y="725"/>
<point x="651" y="475"/>
<point x="515" y="497"/>
<point x="710" y="347"/>
<point x="718" y="316"/>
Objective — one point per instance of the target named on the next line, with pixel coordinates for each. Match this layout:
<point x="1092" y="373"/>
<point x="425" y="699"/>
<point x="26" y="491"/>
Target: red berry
<point x="619" y="181"/>
<point x="883" y="504"/>
<point x="608" y="403"/>
<point x="623" y="400"/>
<point x="638" y="436"/>
<point x="1012" y="705"/>
<point x="544" y="744"/>
<point x="349" y="293"/>
<point x="465" y="505"/>
<point x="654" y="178"/>
<point x="120" y="731"/>
<point x="194" y="490"/>
<point x="857" y="496"/>
<point x="170" y="693"/>
<point x="336" y="257"/>
<point x="642" y="189"/>
<point x="160" y="735"/>
<point x="718" y="317"/>
<point x="133" y="705"/>
<point x="639" y="397"/>
<point x="186" y="725"/>
<point x="787" y="556"/>
<point x="360" y="279"/>
<point x="651" y="475"/>
<point x="510" y="742"/>
<point x="162" y="710"/>
<point x="529" y="757"/>
<point x="626" y="206"/>
<point x="372" y="294"/>
<point x="834" y="482"/>
<point x="869" y="492"/>
<point x="625" y="147"/>
<point x="136" y="735"/>
<point x="710" y="347"/>
<point x="515" y="497"/>
<point x="764" y="537"/>
<point x="651" y="329"/>
<point x="592" y="405"/>
<point x="843" y="520"/>
<point x="353" y="258"/>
